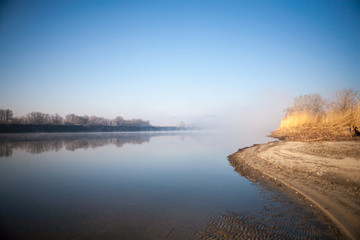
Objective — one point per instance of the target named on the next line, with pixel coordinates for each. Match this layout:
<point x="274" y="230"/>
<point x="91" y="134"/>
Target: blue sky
<point x="172" y="61"/>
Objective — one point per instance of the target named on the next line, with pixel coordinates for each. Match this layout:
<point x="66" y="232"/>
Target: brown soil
<point x="326" y="173"/>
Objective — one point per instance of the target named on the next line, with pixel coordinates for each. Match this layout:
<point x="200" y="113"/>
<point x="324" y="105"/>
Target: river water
<point x="150" y="185"/>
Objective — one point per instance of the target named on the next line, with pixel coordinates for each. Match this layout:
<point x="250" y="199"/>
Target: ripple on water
<point x="281" y="217"/>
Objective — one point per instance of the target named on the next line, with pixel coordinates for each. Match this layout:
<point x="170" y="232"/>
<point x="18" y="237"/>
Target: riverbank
<point x="326" y="173"/>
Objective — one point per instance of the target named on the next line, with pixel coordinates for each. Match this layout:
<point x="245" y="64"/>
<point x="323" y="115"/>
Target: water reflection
<point x="40" y="143"/>
<point x="166" y="186"/>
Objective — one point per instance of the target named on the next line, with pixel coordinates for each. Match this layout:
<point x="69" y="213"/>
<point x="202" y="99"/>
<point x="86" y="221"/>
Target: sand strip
<point x="326" y="173"/>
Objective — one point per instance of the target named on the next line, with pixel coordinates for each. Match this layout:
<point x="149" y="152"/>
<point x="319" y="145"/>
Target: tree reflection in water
<point x="44" y="142"/>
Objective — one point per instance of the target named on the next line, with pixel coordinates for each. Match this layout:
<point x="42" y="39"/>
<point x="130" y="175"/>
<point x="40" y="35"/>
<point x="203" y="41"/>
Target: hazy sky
<point x="168" y="61"/>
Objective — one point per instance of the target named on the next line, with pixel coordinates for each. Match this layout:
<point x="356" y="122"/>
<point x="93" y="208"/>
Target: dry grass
<point x="339" y="120"/>
<point x="347" y="118"/>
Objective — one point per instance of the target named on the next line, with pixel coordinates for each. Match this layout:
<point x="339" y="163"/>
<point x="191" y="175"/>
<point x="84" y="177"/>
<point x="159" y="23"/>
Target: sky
<point x="173" y="61"/>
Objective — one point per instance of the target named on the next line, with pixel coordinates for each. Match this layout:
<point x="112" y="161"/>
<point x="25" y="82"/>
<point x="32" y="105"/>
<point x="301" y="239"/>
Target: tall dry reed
<point x="310" y="116"/>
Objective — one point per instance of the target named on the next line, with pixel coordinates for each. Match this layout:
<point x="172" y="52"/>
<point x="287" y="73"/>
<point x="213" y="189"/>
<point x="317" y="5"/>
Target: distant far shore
<point x="50" y="128"/>
<point x="325" y="173"/>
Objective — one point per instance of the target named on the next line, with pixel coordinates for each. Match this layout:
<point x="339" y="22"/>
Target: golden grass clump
<point x="312" y="118"/>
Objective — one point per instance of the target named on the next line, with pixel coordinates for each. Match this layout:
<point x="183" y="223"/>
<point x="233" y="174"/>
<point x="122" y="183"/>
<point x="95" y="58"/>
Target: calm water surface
<point x="139" y="186"/>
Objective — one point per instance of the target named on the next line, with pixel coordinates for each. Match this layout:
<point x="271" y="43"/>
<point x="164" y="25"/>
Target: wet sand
<point x="326" y="174"/>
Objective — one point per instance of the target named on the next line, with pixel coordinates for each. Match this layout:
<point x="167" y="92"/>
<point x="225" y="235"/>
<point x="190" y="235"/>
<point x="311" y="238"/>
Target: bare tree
<point x="6" y="115"/>
<point x="77" y="120"/>
<point x="82" y="120"/>
<point x="38" y="118"/>
<point x="118" y="121"/>
<point x="345" y="100"/>
<point x="312" y="103"/>
<point x="57" y="119"/>
<point x="94" y="120"/>
<point x="70" y="118"/>
<point x="2" y="115"/>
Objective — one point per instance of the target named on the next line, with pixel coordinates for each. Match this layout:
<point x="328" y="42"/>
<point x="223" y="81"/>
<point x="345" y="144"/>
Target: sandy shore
<point x="325" y="173"/>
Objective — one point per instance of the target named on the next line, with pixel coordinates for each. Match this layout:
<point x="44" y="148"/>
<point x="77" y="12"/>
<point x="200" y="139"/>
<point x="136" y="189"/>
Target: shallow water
<point x="170" y="185"/>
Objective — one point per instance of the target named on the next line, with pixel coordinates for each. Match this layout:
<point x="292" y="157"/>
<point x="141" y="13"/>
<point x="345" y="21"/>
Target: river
<point x="140" y="185"/>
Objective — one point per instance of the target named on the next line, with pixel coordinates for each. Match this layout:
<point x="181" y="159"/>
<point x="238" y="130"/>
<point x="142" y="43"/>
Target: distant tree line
<point x="39" y="118"/>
